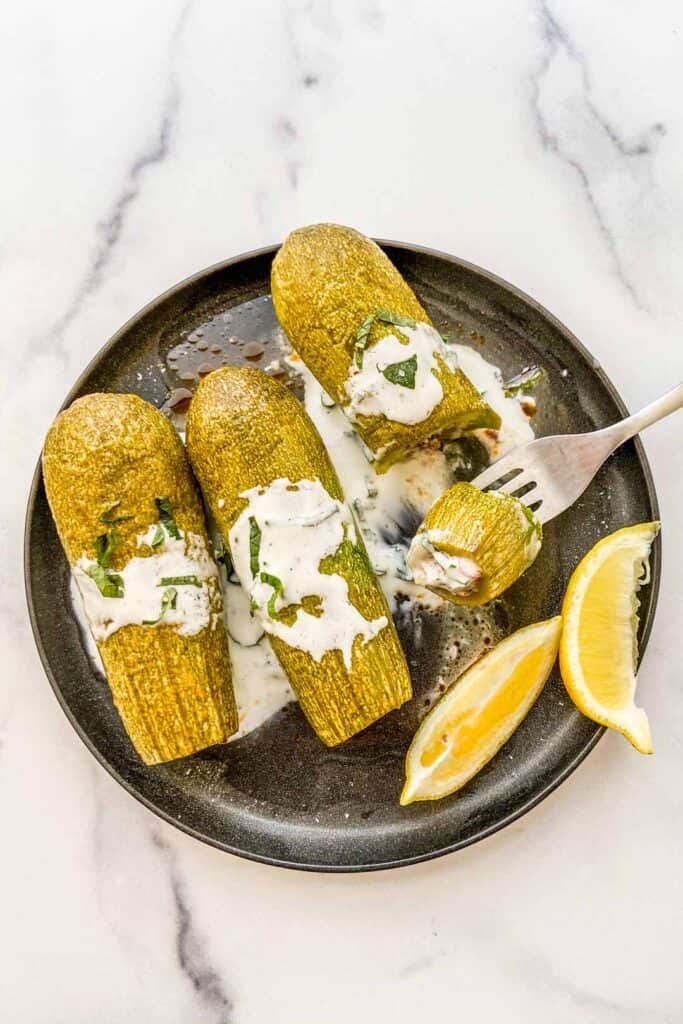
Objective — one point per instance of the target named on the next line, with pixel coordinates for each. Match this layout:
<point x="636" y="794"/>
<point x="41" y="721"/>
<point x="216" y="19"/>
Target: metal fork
<point x="551" y="472"/>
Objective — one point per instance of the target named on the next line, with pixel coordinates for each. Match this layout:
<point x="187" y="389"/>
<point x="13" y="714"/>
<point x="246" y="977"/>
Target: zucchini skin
<point x="325" y="280"/>
<point x="496" y="531"/>
<point x="245" y="430"/>
<point x="173" y="693"/>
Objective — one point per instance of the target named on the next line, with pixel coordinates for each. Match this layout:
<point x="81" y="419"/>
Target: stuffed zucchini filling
<point x="283" y="546"/>
<point x="433" y="568"/>
<point x="364" y="335"/>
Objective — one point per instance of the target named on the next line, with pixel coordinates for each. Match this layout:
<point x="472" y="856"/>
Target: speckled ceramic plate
<point x="279" y="795"/>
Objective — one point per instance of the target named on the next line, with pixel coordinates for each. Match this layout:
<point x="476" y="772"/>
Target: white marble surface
<point x="143" y="141"/>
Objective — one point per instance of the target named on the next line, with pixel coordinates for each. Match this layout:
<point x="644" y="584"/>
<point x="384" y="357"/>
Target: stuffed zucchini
<point x="132" y="526"/>
<point x="274" y="494"/>
<point x="362" y="332"/>
<point x="473" y="545"/>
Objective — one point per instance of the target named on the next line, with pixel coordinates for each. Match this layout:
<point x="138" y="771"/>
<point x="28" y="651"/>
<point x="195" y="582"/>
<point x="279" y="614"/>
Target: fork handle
<point x="657" y="410"/>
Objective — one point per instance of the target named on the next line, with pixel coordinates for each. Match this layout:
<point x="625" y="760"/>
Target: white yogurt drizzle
<point x="260" y="684"/>
<point x="373" y="394"/>
<point x="383" y="502"/>
<point x="143" y="590"/>
<point x="515" y="427"/>
<point x="300" y="525"/>
<point x="414" y="484"/>
<point x="259" y="681"/>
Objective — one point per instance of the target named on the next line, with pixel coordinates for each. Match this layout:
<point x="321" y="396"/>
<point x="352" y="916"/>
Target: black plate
<point x="279" y="795"/>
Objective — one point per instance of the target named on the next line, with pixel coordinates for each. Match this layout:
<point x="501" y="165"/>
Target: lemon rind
<point x="632" y="721"/>
<point x="413" y="789"/>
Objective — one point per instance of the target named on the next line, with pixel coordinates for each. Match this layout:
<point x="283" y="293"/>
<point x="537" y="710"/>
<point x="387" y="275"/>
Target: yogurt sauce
<point x="278" y="543"/>
<point x="515" y="426"/>
<point x="143" y="590"/>
<point x="371" y="393"/>
<point x="387" y="509"/>
<point x="260" y="684"/>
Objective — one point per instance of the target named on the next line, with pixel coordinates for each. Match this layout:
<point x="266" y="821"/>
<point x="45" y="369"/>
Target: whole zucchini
<point x="275" y="496"/>
<point x="362" y="332"/>
<point x="473" y="544"/>
<point x="132" y="526"/>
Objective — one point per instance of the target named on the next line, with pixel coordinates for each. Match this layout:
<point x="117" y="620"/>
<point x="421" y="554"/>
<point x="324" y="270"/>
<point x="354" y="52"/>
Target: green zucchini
<point x="248" y="436"/>
<point x="337" y="295"/>
<point x="473" y="545"/>
<point x="132" y="525"/>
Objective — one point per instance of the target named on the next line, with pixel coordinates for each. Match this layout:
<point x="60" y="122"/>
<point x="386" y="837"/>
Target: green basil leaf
<point x="386" y="317"/>
<point x="109" y="516"/>
<point x="166" y="516"/>
<point x="534" y="525"/>
<point x="169" y="599"/>
<point x="523" y="381"/>
<point x="223" y="555"/>
<point x="254" y="546"/>
<point x="159" y="536"/>
<point x="109" y="584"/>
<point x="362" y="337"/>
<point x="278" y="591"/>
<point x="403" y="373"/>
<point x="179" y="581"/>
<point x="105" y="546"/>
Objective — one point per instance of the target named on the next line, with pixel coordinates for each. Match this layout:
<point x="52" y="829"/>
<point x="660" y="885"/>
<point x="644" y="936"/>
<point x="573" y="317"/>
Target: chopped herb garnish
<point x="363" y="333"/>
<point x="166" y="516"/>
<point x="404" y="573"/>
<point x="254" y="545"/>
<point x="534" y="525"/>
<point x="168" y="600"/>
<point x="159" y="536"/>
<point x="105" y="546"/>
<point x="447" y="338"/>
<point x="109" y="584"/>
<point x="523" y="381"/>
<point x="109" y="516"/>
<point x="179" y="581"/>
<point x="362" y="336"/>
<point x="402" y="373"/>
<point x="278" y="591"/>
<point x="223" y="556"/>
<point x="385" y="317"/>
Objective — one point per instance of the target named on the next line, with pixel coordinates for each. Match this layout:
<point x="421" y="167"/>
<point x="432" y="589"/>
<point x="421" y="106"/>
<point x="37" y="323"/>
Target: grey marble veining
<point x="571" y="125"/>
<point x="192" y="959"/>
<point x="541" y="140"/>
<point x="153" y="153"/>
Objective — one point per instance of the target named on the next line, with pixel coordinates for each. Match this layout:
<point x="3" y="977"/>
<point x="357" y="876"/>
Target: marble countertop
<point x="543" y="141"/>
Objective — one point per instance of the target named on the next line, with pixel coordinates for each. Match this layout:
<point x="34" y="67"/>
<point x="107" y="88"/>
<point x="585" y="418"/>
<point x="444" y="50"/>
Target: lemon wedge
<point x="598" y="651"/>
<point x="479" y="713"/>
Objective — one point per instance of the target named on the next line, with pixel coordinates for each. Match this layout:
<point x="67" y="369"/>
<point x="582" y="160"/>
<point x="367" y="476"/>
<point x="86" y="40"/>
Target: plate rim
<point x="528" y="805"/>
